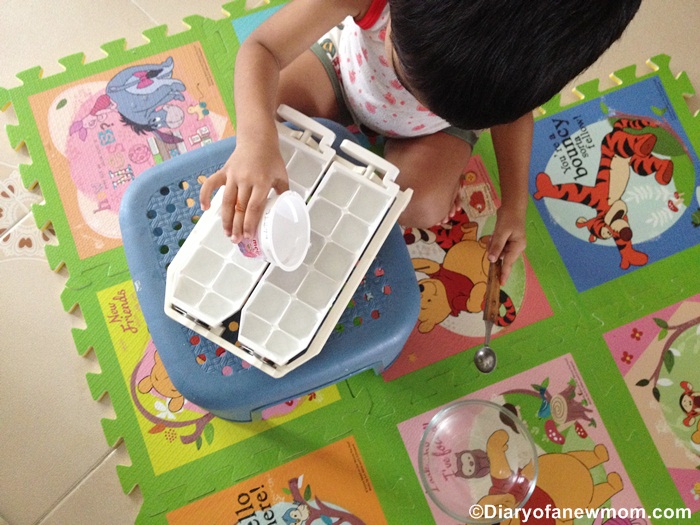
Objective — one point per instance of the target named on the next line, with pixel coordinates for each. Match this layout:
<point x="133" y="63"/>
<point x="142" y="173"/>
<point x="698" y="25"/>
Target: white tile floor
<point x="55" y="464"/>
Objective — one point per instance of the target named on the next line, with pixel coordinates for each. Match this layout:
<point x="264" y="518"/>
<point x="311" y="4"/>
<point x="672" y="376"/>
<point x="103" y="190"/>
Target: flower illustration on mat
<point x="695" y="491"/>
<point x="626" y="357"/>
<point x="636" y="334"/>
<point x="163" y="410"/>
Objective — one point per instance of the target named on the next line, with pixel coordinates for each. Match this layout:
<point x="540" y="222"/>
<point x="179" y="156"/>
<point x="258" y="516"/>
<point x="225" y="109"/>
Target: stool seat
<point x="159" y="210"/>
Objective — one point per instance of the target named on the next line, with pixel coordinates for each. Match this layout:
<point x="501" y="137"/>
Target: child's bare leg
<point x="305" y="86"/>
<point x="432" y="166"/>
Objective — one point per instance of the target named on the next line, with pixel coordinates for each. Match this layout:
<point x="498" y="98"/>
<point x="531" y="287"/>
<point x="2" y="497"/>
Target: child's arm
<point x="512" y="144"/>
<point x="256" y="164"/>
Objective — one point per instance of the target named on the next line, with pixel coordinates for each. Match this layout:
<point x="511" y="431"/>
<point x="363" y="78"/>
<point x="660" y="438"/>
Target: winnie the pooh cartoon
<point x="563" y="481"/>
<point x="459" y="283"/>
<point x="159" y="380"/>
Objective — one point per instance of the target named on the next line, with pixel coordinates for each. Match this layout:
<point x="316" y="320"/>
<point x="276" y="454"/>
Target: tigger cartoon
<point x="459" y="283"/>
<point x="690" y="404"/>
<point x="443" y="235"/>
<point x="620" y="151"/>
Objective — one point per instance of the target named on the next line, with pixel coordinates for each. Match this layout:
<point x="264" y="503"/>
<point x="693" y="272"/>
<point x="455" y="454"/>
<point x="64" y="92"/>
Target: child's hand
<point x="508" y="239"/>
<point x="248" y="175"/>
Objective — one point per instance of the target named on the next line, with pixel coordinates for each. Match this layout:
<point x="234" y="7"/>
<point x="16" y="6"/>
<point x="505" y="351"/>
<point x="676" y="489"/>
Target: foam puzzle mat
<point x="598" y="337"/>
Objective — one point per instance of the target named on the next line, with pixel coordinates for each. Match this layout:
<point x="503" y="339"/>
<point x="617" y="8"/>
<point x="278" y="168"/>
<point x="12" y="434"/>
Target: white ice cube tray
<point x="286" y="317"/>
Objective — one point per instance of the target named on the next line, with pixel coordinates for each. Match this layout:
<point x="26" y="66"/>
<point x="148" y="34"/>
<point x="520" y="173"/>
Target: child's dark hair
<point x="479" y="63"/>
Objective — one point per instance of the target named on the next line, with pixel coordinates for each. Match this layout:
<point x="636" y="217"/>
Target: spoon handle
<point x="493" y="292"/>
<point x="487" y="337"/>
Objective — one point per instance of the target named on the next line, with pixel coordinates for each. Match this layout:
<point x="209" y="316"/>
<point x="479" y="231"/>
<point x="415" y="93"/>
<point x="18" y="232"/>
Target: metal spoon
<point x="485" y="357"/>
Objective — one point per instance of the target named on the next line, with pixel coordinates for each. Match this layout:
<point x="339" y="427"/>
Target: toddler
<point x="425" y="74"/>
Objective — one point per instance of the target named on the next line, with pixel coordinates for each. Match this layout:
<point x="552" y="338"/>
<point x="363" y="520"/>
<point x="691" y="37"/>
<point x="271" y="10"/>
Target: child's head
<point x="478" y="63"/>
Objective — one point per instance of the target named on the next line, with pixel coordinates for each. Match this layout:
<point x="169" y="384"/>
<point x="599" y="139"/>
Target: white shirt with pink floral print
<point x="372" y="91"/>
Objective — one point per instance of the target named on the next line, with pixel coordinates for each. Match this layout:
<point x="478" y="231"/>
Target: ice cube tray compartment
<point x="350" y="232"/>
<point x="235" y="282"/>
<point x="317" y="290"/>
<point x="299" y="320"/>
<point x="204" y="266"/>
<point x="270" y="304"/>
<point x="341" y="189"/>
<point x="218" y="242"/>
<point x="188" y="292"/>
<point x="356" y="194"/>
<point x="304" y="171"/>
<point x="287" y="150"/>
<point x="213" y="304"/>
<point x="335" y="262"/>
<point x="324" y="216"/>
<point x="315" y="248"/>
<point x="369" y="204"/>
<point x="287" y="281"/>
<point x="307" y="152"/>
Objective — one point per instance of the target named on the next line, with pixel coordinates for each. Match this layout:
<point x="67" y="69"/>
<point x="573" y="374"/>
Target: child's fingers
<point x="495" y="248"/>
<point x="508" y="261"/>
<point x="281" y="185"/>
<point x="227" y="208"/>
<point x="239" y="211"/>
<point x="254" y="211"/>
<point x="510" y="254"/>
<point x="216" y="180"/>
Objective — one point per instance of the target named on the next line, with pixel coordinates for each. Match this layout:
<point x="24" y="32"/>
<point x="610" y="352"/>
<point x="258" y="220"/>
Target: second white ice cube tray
<point x="286" y="317"/>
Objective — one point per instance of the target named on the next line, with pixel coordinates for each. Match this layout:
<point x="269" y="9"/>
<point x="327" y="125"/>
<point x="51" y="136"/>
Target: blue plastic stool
<point x="159" y="210"/>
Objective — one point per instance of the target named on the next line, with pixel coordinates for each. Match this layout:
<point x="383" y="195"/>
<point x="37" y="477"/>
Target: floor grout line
<point x="7" y="164"/>
<point x="73" y="488"/>
<point x="145" y="13"/>
<point x="16" y="224"/>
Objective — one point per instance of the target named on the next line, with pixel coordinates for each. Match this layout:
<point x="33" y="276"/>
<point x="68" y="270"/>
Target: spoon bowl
<point x="485" y="360"/>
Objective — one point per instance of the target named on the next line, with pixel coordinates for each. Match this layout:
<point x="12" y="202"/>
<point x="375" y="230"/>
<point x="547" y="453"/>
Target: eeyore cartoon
<point x="142" y="94"/>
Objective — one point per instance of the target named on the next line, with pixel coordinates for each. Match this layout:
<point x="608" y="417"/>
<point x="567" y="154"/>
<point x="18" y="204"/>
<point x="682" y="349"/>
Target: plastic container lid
<point x="285" y="231"/>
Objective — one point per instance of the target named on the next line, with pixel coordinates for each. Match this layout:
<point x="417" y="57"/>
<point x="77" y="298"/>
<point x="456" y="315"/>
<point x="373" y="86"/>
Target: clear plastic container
<point x="284" y="232"/>
<point x="475" y="456"/>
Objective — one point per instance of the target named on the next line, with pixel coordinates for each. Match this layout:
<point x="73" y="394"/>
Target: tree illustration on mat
<point x="669" y="353"/>
<point x="203" y="428"/>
